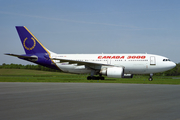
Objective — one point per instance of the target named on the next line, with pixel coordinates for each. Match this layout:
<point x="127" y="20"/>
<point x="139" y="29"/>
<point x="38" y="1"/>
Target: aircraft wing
<point x="80" y="62"/>
<point x="21" y="56"/>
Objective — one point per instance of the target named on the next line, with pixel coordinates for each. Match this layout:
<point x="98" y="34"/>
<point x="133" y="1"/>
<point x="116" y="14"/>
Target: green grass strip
<point x="23" y="75"/>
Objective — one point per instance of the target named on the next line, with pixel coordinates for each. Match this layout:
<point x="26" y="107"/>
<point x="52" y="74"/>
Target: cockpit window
<point x="166" y="60"/>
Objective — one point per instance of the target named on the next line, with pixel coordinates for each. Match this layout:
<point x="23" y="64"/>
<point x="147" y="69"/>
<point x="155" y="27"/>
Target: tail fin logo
<point x="29" y="44"/>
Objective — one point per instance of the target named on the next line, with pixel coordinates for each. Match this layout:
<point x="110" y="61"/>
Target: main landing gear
<point x="150" y="77"/>
<point x="92" y="77"/>
<point x="95" y="78"/>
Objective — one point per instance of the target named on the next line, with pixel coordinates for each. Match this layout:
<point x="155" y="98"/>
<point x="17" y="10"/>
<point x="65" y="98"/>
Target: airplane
<point x="110" y="65"/>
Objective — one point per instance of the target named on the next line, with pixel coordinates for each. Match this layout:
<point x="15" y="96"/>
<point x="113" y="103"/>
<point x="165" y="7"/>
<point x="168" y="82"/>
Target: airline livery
<point x="110" y="65"/>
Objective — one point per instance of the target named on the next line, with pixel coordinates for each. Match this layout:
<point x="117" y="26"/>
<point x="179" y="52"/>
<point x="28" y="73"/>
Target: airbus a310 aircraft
<point x="110" y="65"/>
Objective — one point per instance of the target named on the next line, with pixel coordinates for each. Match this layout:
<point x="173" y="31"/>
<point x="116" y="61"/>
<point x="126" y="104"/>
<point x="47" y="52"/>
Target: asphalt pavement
<point x="89" y="101"/>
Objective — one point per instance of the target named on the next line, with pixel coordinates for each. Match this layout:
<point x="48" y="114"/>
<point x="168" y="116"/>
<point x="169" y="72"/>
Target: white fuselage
<point x="132" y="63"/>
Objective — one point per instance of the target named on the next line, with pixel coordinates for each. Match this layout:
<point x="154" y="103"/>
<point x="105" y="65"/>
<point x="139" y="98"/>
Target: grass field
<point x="23" y="75"/>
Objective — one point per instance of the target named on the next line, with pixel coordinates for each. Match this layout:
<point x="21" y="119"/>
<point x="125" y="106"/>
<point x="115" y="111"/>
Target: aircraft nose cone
<point x="172" y="65"/>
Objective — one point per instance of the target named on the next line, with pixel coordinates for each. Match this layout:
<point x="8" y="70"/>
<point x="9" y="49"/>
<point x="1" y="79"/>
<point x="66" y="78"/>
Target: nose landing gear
<point x="150" y="77"/>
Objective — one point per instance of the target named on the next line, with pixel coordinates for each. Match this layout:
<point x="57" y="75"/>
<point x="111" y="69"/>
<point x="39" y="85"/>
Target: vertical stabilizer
<point x="30" y="43"/>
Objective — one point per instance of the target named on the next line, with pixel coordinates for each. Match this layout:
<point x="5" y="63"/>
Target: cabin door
<point x="152" y="60"/>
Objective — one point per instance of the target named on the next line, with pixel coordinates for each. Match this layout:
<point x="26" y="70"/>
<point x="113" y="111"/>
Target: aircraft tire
<point x="95" y="78"/>
<point x="102" y="78"/>
<point x="150" y="79"/>
<point x="89" y="78"/>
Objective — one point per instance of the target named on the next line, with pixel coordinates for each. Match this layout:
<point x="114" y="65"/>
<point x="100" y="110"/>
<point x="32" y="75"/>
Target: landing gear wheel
<point x="89" y="78"/>
<point x="95" y="78"/>
<point x="150" y="79"/>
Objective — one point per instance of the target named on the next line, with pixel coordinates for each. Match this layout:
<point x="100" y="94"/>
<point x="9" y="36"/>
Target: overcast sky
<point x="92" y="26"/>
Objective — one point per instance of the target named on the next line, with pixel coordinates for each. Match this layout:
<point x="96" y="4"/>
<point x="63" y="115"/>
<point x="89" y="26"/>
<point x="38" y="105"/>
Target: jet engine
<point x="115" y="72"/>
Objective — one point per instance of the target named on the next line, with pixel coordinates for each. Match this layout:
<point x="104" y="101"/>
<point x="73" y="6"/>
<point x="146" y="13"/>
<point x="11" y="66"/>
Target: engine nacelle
<point x="115" y="72"/>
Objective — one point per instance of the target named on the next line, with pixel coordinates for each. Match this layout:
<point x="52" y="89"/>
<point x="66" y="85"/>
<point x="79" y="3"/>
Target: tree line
<point x="29" y="66"/>
<point x="173" y="72"/>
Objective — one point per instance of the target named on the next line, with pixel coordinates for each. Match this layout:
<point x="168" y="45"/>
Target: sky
<point x="92" y="26"/>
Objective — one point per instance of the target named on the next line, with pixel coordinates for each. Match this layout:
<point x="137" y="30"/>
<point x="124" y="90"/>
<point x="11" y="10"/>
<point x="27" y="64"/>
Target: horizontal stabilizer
<point x="22" y="56"/>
